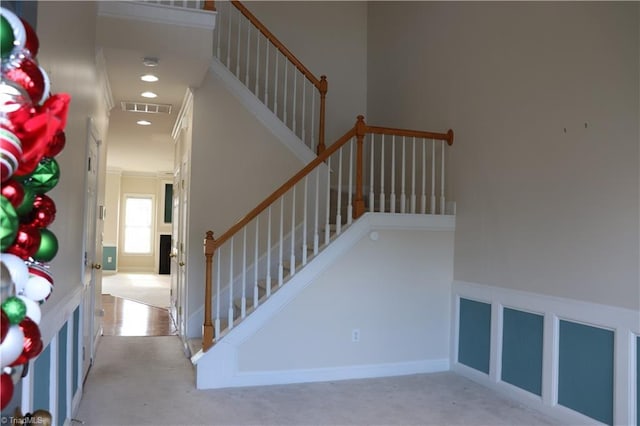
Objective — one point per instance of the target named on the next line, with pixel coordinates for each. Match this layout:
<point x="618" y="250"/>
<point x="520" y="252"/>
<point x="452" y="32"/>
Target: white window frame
<point x="152" y="226"/>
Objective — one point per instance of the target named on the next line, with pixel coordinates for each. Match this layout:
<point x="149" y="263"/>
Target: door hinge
<point x="179" y="310"/>
<point x="83" y="353"/>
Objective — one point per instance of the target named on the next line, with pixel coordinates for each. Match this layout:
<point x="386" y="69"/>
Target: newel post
<point x="322" y="88"/>
<point x="359" y="200"/>
<point x="207" y="327"/>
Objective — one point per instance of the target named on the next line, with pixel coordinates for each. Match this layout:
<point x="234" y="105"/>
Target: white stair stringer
<point x="262" y="112"/>
<point x="218" y="367"/>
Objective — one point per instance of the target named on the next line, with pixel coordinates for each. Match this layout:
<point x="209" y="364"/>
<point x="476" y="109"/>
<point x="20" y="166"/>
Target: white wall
<point x="540" y="209"/>
<point x="329" y="38"/>
<point x="395" y="291"/>
<point x="66" y="31"/>
<point x="235" y="163"/>
<point x="112" y="204"/>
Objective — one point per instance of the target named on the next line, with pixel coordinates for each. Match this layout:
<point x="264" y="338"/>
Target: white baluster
<point x="230" y="316"/>
<point x="281" y="243"/>
<point x="218" y="295"/>
<point x="403" y="200"/>
<point x="292" y="258"/>
<point x="423" y="198"/>
<point x="316" y="236"/>
<point x="256" y="255"/>
<point x="295" y="95"/>
<point x="313" y="118"/>
<point x="371" y="194"/>
<point x="304" y="108"/>
<point x="413" y="176"/>
<point x="243" y="306"/>
<point x="275" y="87"/>
<point x="266" y="73"/>
<point x="238" y="48"/>
<point x="304" y="224"/>
<point x="229" y="39"/>
<point x="268" y="277"/>
<point x="433" y="177"/>
<point x="246" y="75"/>
<point x="393" y="174"/>
<point x="339" y="196"/>
<point x="442" y="181"/>
<point x="350" y="192"/>
<point x="286" y="68"/>
<point x="382" y="197"/>
<point x="327" y="234"/>
<point x="256" y="90"/>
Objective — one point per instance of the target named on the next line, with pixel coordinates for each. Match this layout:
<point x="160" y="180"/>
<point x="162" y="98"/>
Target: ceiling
<point x="182" y="63"/>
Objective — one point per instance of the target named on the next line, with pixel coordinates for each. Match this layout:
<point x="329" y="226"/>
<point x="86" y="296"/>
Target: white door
<point x="91" y="276"/>
<point x="182" y="239"/>
<point x="175" y="220"/>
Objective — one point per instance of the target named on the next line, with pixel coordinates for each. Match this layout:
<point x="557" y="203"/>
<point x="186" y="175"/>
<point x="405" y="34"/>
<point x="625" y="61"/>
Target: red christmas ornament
<point x="6" y="390"/>
<point x="27" y="242"/>
<point x="32" y="43"/>
<point x="10" y="153"/>
<point x="32" y="344"/>
<point x="43" y="213"/>
<point x="4" y="326"/>
<point x="26" y="72"/>
<point x="13" y="191"/>
<point x="56" y="144"/>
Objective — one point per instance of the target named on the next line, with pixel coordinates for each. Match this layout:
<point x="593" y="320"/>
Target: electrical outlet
<point x="355" y="335"/>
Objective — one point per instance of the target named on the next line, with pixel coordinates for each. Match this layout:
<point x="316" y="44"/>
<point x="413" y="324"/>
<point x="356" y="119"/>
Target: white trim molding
<point x="625" y="323"/>
<point x="159" y="13"/>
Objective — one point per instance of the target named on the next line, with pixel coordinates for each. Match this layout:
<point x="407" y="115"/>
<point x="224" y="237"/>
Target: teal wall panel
<point x="62" y="374"/>
<point x="522" y="334"/>
<point x="76" y="345"/>
<point x="474" y="337"/>
<point x="109" y="258"/>
<point x="41" y="380"/>
<point x="638" y="381"/>
<point x="585" y="375"/>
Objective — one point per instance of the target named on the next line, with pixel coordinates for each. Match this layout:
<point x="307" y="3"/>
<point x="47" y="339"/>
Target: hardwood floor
<point x="123" y="317"/>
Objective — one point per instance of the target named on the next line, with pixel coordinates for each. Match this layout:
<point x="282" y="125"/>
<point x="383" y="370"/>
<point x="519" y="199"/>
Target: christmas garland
<point x="32" y="122"/>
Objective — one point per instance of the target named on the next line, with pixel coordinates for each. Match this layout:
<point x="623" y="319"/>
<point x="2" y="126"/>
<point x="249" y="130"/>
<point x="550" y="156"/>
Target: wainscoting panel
<point x="62" y="374"/>
<point x="41" y="368"/>
<point x="522" y="337"/>
<point x="585" y="380"/>
<point x="475" y="334"/>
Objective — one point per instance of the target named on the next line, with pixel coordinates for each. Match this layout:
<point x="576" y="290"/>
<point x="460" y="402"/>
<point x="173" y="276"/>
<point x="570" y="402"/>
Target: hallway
<point x="149" y="381"/>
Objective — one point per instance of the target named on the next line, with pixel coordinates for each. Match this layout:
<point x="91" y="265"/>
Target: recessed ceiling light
<point x="148" y="95"/>
<point x="143" y="122"/>
<point x="150" y="78"/>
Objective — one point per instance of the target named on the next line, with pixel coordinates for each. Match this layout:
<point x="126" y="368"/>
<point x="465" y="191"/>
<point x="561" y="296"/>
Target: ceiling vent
<point x="148" y="108"/>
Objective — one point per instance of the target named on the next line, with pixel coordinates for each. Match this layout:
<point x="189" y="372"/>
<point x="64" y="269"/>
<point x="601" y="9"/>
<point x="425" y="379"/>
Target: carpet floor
<point x="148" y="381"/>
<point x="150" y="289"/>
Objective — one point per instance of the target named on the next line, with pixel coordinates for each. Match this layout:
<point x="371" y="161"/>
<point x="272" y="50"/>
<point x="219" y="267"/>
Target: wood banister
<point x="448" y="137"/>
<point x="207" y="327"/>
<point x="360" y="129"/>
<point x="285" y="187"/>
<point x="277" y="43"/>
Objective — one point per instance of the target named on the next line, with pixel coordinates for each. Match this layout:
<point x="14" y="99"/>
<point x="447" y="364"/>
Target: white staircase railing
<point x="255" y="257"/>
<point x="271" y="72"/>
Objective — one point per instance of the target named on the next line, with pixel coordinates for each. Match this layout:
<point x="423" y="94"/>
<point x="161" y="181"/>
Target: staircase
<point x="368" y="176"/>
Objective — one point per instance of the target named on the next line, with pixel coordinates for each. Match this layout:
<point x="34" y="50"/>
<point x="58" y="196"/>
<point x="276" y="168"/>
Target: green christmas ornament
<point x="14" y="309"/>
<point x="44" y="178"/>
<point x="27" y="203"/>
<point x="7" y="38"/>
<point x="48" y="246"/>
<point x="8" y="223"/>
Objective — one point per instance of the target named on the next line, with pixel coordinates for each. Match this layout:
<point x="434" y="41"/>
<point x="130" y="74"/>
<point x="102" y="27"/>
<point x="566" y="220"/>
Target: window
<point x="138" y="220"/>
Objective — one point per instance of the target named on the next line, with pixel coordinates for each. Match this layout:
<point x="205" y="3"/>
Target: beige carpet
<point x="148" y="381"/>
<point x="150" y="289"/>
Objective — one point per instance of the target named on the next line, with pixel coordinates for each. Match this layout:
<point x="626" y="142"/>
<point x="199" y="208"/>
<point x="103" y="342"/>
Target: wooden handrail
<point x="209" y="5"/>
<point x="448" y="137"/>
<point x="285" y="187"/>
<point x="277" y="43"/>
